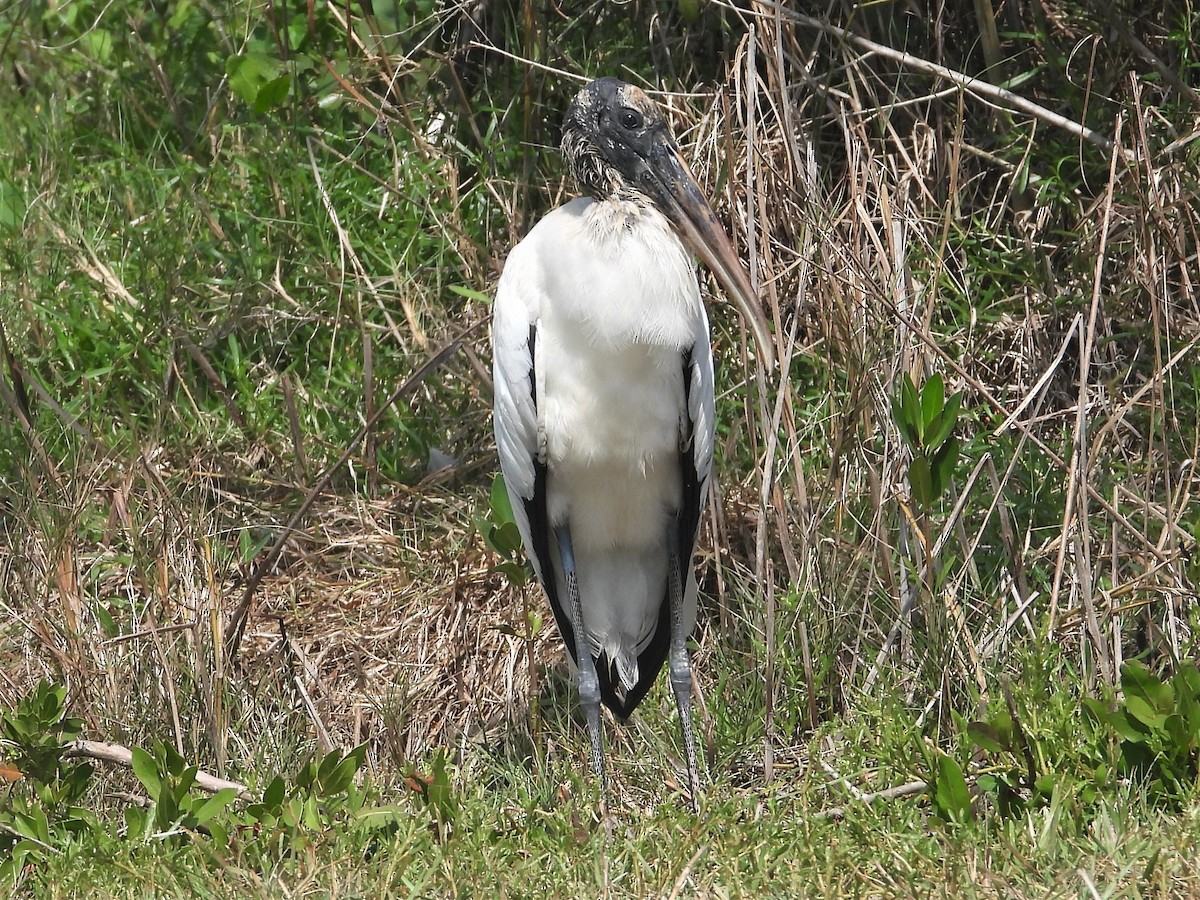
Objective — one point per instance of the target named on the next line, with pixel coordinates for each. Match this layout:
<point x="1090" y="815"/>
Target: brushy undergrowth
<point x="949" y="569"/>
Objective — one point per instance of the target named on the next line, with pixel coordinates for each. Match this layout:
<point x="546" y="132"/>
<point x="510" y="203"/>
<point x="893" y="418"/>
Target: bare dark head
<point x="609" y="135"/>
<point x="619" y="148"/>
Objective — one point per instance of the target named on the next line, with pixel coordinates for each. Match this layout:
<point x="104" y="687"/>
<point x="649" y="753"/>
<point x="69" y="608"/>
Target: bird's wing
<point x="517" y="423"/>
<point x="514" y="409"/>
<point x="697" y="455"/>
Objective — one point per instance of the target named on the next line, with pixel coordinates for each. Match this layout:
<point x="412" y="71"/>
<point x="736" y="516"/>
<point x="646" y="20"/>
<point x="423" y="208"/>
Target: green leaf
<point x="75" y="781"/>
<point x="941" y="470"/>
<point x="137" y="821"/>
<point x="506" y="539"/>
<point x="906" y="430"/>
<point x="98" y="43"/>
<point x="1189" y="709"/>
<point x="921" y="481"/>
<point x="944" y="423"/>
<point x="297" y="32"/>
<point x="251" y="73"/>
<point x="179" y="15"/>
<point x="534" y="621"/>
<point x="382" y="815"/>
<point x="325" y="768"/>
<point x="107" y="623"/>
<point x="502" y="512"/>
<point x="342" y="776"/>
<point x="220" y="834"/>
<point x="1003" y="724"/>
<point x="471" y="294"/>
<point x="1138" y="708"/>
<point x="185" y="782"/>
<point x="1148" y="871"/>
<point x="951" y="796"/>
<point x="516" y="573"/>
<point x="1137" y="680"/>
<point x="273" y="796"/>
<point x="1046" y="783"/>
<point x="933" y="396"/>
<point x="1129" y="728"/>
<point x="272" y="93"/>
<point x="290" y="814"/>
<point x="1187" y="682"/>
<point x="310" y="815"/>
<point x="911" y="406"/>
<point x="172" y="760"/>
<point x="12" y="206"/>
<point x="147" y="772"/>
<point x="50" y="698"/>
<point x="689" y="11"/>
<point x="986" y="736"/>
<point x="32" y="823"/>
<point x="21" y="851"/>
<point x="441" y="798"/>
<point x="214" y="805"/>
<point x="1098" y="710"/>
<point x="1179" y="741"/>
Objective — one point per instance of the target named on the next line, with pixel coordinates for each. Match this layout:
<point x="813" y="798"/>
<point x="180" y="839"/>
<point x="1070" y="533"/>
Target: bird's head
<point x="618" y="146"/>
<point x="609" y="138"/>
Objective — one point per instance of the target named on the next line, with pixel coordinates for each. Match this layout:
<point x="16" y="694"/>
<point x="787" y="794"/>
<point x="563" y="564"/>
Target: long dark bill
<point x="682" y="201"/>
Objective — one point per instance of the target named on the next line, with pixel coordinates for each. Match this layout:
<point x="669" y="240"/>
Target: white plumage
<point x="611" y="342"/>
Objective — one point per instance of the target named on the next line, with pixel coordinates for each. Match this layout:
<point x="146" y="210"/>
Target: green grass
<point x="227" y="234"/>
<point x="524" y="831"/>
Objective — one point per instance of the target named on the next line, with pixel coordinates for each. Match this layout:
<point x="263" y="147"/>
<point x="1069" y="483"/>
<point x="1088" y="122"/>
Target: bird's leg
<point x="589" y="681"/>
<point x="681" y="674"/>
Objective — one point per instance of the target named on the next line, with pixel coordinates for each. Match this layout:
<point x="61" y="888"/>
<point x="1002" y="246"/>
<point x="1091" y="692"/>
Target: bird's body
<point x="604" y="400"/>
<point x="615" y="363"/>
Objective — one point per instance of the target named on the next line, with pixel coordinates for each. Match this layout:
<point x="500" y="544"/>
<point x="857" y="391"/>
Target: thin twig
<point x="892" y="793"/>
<point x="115" y="753"/>
<point x="22" y="836"/>
<point x="1089" y="884"/>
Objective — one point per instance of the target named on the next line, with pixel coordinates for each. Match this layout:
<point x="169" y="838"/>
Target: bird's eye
<point x="631" y="119"/>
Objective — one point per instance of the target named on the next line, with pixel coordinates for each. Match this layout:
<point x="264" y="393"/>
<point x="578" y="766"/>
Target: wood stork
<point x="604" y="401"/>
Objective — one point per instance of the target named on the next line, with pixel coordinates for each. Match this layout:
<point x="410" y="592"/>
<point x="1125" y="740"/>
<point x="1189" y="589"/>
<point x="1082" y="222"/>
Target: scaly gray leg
<point x="589" y="681"/>
<point x="681" y="673"/>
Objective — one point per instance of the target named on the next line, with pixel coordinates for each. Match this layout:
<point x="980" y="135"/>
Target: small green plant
<point x="926" y="419"/>
<point x="34" y="732"/>
<point x="176" y="806"/>
<point x="1013" y="778"/>
<point x="42" y="816"/>
<point x="1191" y="556"/>
<point x="1158" y="723"/>
<point x="259" y="78"/>
<point x="435" y="791"/>
<point x="287" y="816"/>
<point x="500" y="532"/>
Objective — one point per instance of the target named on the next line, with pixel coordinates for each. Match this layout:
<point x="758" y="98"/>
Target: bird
<point x="604" y="402"/>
